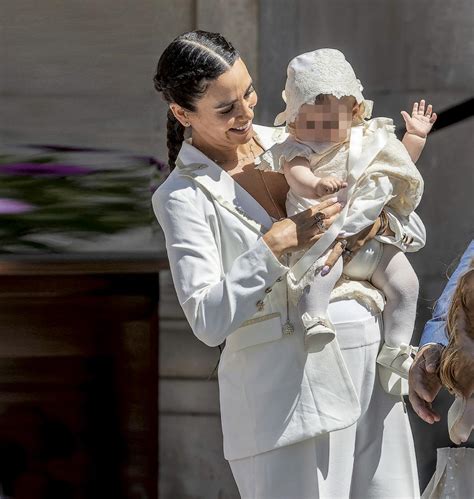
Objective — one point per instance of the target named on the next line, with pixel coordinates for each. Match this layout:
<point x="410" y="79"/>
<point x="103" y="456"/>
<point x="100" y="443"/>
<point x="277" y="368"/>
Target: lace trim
<point x="361" y="291"/>
<point x="345" y="289"/>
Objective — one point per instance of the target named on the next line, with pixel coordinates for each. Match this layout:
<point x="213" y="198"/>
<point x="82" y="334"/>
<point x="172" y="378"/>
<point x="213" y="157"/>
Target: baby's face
<point x="329" y="119"/>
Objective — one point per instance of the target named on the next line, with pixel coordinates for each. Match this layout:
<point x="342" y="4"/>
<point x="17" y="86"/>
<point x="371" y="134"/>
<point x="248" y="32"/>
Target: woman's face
<point x="329" y="119"/>
<point x="223" y="115"/>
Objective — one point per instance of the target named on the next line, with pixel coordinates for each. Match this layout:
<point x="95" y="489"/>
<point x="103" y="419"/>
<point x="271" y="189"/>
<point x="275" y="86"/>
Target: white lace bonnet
<point x="322" y="71"/>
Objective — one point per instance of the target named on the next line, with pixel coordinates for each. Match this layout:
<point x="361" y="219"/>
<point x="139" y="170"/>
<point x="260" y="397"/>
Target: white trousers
<point x="374" y="458"/>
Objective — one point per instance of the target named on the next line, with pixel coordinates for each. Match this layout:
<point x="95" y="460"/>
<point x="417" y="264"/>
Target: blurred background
<point x="104" y="390"/>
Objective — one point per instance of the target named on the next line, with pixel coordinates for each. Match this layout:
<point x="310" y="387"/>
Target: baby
<point x="332" y="147"/>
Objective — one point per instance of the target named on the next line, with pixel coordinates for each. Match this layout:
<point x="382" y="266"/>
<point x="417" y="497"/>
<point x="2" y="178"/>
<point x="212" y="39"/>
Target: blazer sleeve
<point x="215" y="302"/>
<point x="435" y="329"/>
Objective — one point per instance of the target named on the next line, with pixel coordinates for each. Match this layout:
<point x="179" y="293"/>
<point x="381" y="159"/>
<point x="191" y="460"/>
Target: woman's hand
<point x="349" y="246"/>
<point x="302" y="230"/>
<point x="354" y="243"/>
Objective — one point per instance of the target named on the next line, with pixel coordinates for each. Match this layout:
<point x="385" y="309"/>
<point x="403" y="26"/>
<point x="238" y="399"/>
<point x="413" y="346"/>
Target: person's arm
<point x="305" y="183"/>
<point x="215" y="303"/>
<point x="418" y="126"/>
<point x="435" y="329"/>
<point x="414" y="144"/>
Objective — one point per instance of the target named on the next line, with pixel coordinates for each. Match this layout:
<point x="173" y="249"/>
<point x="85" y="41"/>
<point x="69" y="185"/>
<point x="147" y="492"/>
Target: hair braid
<point x="174" y="138"/>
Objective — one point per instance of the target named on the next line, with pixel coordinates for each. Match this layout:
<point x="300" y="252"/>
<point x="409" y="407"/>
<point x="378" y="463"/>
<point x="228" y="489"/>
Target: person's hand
<point x="420" y="122"/>
<point x="349" y="246"/>
<point x="424" y="383"/>
<point x="354" y="243"/>
<point x="302" y="230"/>
<point x="329" y="185"/>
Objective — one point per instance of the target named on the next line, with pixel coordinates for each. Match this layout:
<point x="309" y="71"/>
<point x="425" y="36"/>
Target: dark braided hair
<point x="183" y="74"/>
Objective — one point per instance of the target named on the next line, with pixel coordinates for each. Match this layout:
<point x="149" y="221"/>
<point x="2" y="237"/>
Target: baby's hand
<point x="329" y="185"/>
<point x="420" y="123"/>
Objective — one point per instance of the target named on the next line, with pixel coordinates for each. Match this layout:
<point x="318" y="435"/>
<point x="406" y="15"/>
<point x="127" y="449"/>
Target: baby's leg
<point x="315" y="297"/>
<point x="396" y="278"/>
<point x="313" y="305"/>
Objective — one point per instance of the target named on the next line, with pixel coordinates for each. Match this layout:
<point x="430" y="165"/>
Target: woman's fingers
<point x="309" y="226"/>
<point x="330" y="208"/>
<point x="334" y="256"/>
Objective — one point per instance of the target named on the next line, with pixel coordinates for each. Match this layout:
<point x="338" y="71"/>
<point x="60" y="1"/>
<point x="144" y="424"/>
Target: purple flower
<point x="43" y="169"/>
<point x="13" y="206"/>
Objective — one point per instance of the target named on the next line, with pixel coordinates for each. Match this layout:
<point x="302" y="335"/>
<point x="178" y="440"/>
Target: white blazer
<point x="232" y="287"/>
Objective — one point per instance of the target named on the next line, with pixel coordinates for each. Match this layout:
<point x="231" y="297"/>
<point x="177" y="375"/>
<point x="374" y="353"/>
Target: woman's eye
<point x="250" y="91"/>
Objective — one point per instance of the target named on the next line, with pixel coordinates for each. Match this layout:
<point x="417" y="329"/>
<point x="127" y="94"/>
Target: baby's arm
<point x="303" y="182"/>
<point x="418" y="126"/>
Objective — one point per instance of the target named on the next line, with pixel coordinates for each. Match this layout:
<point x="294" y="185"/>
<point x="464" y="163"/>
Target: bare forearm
<point x="414" y="144"/>
<point x="301" y="180"/>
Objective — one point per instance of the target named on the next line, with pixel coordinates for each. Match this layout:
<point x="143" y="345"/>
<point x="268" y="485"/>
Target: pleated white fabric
<point x="453" y="477"/>
<point x="374" y="458"/>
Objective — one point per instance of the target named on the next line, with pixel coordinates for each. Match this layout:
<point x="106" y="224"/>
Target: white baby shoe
<point x="461" y="419"/>
<point x="319" y="331"/>
<point x="394" y="364"/>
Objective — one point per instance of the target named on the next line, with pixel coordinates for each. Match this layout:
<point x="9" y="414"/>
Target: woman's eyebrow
<point x="224" y="104"/>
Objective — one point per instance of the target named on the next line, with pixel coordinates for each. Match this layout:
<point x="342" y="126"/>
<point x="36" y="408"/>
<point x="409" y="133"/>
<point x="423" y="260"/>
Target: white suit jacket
<point x="232" y="287"/>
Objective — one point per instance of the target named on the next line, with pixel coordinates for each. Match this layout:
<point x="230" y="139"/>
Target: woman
<point x="295" y="425"/>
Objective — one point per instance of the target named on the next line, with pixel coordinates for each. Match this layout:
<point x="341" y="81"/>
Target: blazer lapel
<point x="223" y="188"/>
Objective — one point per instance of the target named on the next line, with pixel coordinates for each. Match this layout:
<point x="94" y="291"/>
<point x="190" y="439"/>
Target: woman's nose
<point x="247" y="111"/>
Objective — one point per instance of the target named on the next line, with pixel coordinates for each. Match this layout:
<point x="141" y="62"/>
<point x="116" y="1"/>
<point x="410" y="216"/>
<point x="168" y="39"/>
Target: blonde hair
<point x="454" y="370"/>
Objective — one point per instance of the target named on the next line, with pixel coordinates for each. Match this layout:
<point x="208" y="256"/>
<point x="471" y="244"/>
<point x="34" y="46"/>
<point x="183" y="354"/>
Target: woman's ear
<point x="180" y="114"/>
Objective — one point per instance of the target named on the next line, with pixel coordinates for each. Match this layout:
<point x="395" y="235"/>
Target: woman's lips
<point x="241" y="130"/>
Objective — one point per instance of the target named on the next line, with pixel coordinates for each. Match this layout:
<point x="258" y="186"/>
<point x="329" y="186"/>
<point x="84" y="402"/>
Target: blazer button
<point x="279" y="279"/>
<point x="268" y="290"/>
<point x="260" y="304"/>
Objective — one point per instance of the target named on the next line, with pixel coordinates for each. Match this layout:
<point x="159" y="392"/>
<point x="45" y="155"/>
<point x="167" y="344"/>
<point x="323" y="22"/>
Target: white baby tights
<point x="315" y="297"/>
<point x="395" y="276"/>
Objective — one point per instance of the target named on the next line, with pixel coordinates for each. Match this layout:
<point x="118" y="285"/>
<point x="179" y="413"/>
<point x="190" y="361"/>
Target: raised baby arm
<point x="418" y="126"/>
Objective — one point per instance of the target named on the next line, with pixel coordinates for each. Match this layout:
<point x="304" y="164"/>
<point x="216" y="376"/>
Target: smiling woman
<point x="233" y="98"/>
<point x="228" y="240"/>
